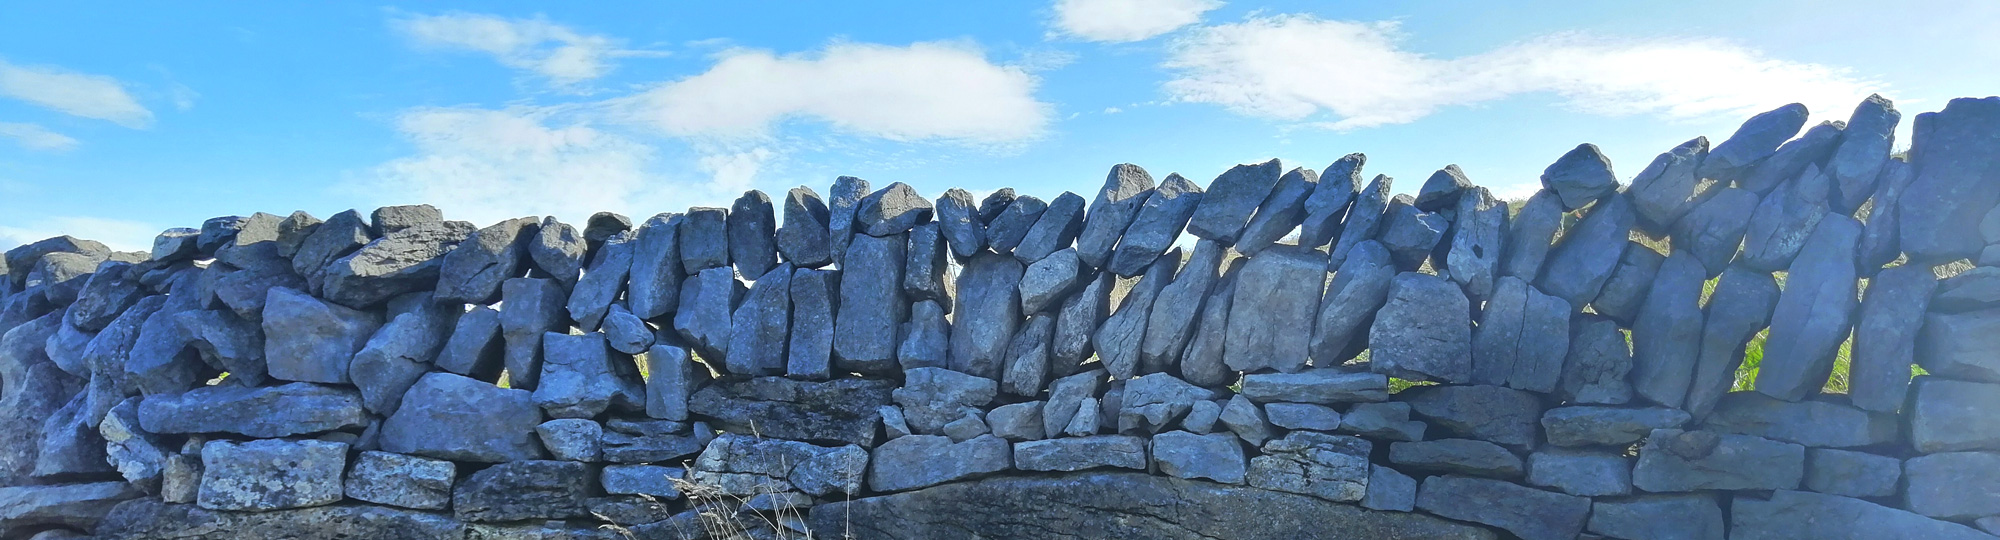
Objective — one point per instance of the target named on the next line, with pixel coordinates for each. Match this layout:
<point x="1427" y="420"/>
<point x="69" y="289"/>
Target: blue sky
<point x="118" y="120"/>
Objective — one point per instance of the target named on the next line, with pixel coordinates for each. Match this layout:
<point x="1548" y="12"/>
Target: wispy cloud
<point x="1119" y="21"/>
<point x="73" y="93"/>
<point x="118" y="234"/>
<point x="1350" y="75"/>
<point x="36" y="137"/>
<point x="558" y="53"/>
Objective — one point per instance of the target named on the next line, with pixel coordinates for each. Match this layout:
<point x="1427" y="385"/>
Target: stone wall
<point x="1320" y="360"/>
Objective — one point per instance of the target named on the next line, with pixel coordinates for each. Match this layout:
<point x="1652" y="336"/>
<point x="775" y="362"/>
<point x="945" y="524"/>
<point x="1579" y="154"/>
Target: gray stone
<point x="1390" y="490"/>
<point x="1168" y="331"/>
<point x="1864" y="147"/>
<point x="815" y="295"/>
<point x="1119" y="339"/>
<point x="451" y="417"/>
<point x="759" y="328"/>
<point x="400" y="480"/>
<point x="1714" y="230"/>
<point x="932" y="397"/>
<point x="138" y="455"/>
<point x="844" y="410"/>
<point x="572" y="439"/>
<point x="1364" y="220"/>
<point x="1055" y="229"/>
<point x="1880" y="242"/>
<point x="654" y="282"/>
<point x="1077" y="322"/>
<point x="1016" y="421"/>
<point x="1442" y="190"/>
<point x="1202" y="361"/>
<point x="217" y="232"/>
<point x="602" y="226"/>
<point x="1005" y="231"/>
<point x="70" y="445"/>
<point x="958" y="220"/>
<point x="918" y="461"/>
<point x="263" y="412"/>
<point x="1813" y="314"/>
<point x="871" y="305"/>
<point x="1607" y="426"/>
<point x="1810" y="149"/>
<point x="1783" y="221"/>
<point x="1027" y="367"/>
<point x="1691" y="516"/>
<point x="1158" y="223"/>
<point x="518" y="490"/>
<point x="1530" y="232"/>
<point x="111" y="288"/>
<point x="842" y="201"/>
<point x="1246" y="420"/>
<point x="472" y="272"/>
<point x="310" y="340"/>
<point x="1151" y="403"/>
<point x="891" y="210"/>
<point x="22" y="259"/>
<point x="475" y="348"/>
<point x="650" y="441"/>
<point x="602" y="283"/>
<point x="995" y="203"/>
<point x="1580" y="472"/>
<point x="1754" y="141"/>
<point x="1125" y="191"/>
<point x="1670" y="186"/>
<point x="1215" y="456"/>
<point x="705" y="320"/>
<point x="1423" y="331"/>
<point x="152" y="519"/>
<point x="1411" y="235"/>
<point x="171" y="245"/>
<point x="1624" y="295"/>
<point x="1948" y="195"/>
<point x="926" y="337"/>
<point x="1738" y="308"/>
<point x="270" y="474"/>
<point x="1281" y="212"/>
<point x="75" y="506"/>
<point x="1359" y="288"/>
<point x="1456" y="456"/>
<point x="225" y="341"/>
<point x="927" y="269"/>
<point x="1473" y="260"/>
<point x="1666" y="337"/>
<point x="1231" y="199"/>
<point x="180" y="478"/>
<point x="988" y="311"/>
<point x="1276" y="300"/>
<point x="673" y="377"/>
<point x="648" y="480"/>
<point x="1949" y="416"/>
<point x="581" y="379"/>
<point x="32" y="390"/>
<point x="1087" y="419"/>
<point x="1971" y="290"/>
<point x="803" y="240"/>
<point x="1489" y="413"/>
<point x="752" y="227"/>
<point x="1321" y="385"/>
<point x="1804" y="515"/>
<point x="1529" y="513"/>
<point x="703" y="239"/>
<point x="625" y="332"/>
<point x="1676" y="460"/>
<point x="1080" y="453"/>
<point x="1201" y="418"/>
<point x="401" y="352"/>
<point x="1811" y="422"/>
<point x="1954" y="485"/>
<point x="1331" y="467"/>
<point x="391" y="219"/>
<point x="1580" y="177"/>
<point x="406" y="261"/>
<point x="1389" y="421"/>
<point x="530" y="307"/>
<point x="1046" y="283"/>
<point x="1325" y="209"/>
<point x="1580" y="263"/>
<point x="1855" y="474"/>
<point x="1522" y="338"/>
<point x="1956" y="345"/>
<point x="1066" y="396"/>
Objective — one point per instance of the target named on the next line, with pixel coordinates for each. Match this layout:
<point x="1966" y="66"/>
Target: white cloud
<point x="78" y="94"/>
<point x="1121" y="21"/>
<point x="118" y="234"/>
<point x="1113" y="110"/>
<point x="932" y="90"/>
<point x="556" y="52"/>
<point x="35" y="137"/>
<point x="1294" y="67"/>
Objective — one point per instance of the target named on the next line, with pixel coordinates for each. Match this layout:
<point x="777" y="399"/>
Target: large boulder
<point x="1581" y="176"/>
<point x="1529" y="513"/>
<point x="1423" y="332"/>
<point x="271" y="474"/>
<point x="1005" y="231"/>
<point x="1955" y="154"/>
<point x="841" y="410"/>
<point x="1880" y="239"/>
<point x="932" y="397"/>
<point x="448" y="416"/>
<point x="1153" y="402"/>
<point x="653" y="285"/>
<point x="401" y="352"/>
<point x="310" y="340"/>
<point x="1077" y="322"/>
<point x="1810" y="149"/>
<point x="705" y="319"/>
<point x="1231" y="198"/>
<point x="263" y="412"/>
<point x="1272" y="314"/>
<point x="1813" y="314"/>
<point x="1411" y="234"/>
<point x="582" y="379"/>
<point x="1584" y="473"/>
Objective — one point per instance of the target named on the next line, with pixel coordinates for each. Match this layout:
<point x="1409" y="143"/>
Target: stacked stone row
<point x="404" y="371"/>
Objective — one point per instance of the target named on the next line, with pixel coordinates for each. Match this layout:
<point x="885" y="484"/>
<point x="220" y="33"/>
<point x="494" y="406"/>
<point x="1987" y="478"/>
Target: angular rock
<point x="1027" y="366"/>
<point x="1529" y="513"/>
<point x="1281" y="211"/>
<point x="1810" y="149"/>
<point x="1080" y="453"/>
<point x="918" y="461"/>
<point x="1169" y="330"/>
<point x="572" y="439"/>
<point x="406" y="261"/>
<point x="1666" y="337"/>
<point x="1389" y="421"/>
<point x="1151" y="403"/>
<point x="842" y="201"/>
<point x="1331" y="467"/>
<point x="1202" y="361"/>
<point x="1124" y="193"/>
<point x="759" y="328"/>
<point x="580" y="380"/>
<point x="871" y="305"/>
<point x="1473" y="260"/>
<point x="625" y="332"/>
<point x="1954" y="485"/>
<point x="1714" y="230"/>
<point x="1201" y="418"/>
<point x="1950" y="416"/>
<point x="1783" y="221"/>
<point x="1411" y="234"/>
<point x="602" y="284"/>
<point x="654" y="281"/>
<point x="263" y="412"/>
<point x="1691" y="516"/>
<point x="1364" y="219"/>
<point x="1456" y="456"/>
<point x="1864" y="147"/>
<point x="1676" y="460"/>
<point x="704" y="239"/>
<point x="958" y="221"/>
<point x="1670" y="185"/>
<point x="1530" y="232"/>
<point x="1800" y="514"/>
<point x="1005" y="231"/>
<point x="1811" y="423"/>
<point x="1580" y="263"/>
<point x="391" y="219"/>
<point x="1489" y="413"/>
<point x="1607" y="426"/>
<point x="225" y="341"/>
<point x="1956" y="345"/>
<point x="987" y="314"/>
<point x="1880" y="243"/>
<point x="1390" y="490"/>
<point x="1158" y="223"/>
<point x="1119" y="339"/>
<point x="1086" y="422"/>
<point x="1066" y="396"/>
<point x="1077" y="322"/>
<point x="1738" y="308"/>
<point x="400" y="353"/>
<point x="649" y="441"/>
<point x="530" y="307"/>
<point x="1216" y="456"/>
<point x="1359" y="288"/>
<point x="1231" y="199"/>
<point x="932" y="397"/>
<point x="309" y="340"/>
<point x="926" y="337"/>
<point x="1624" y="294"/>
<point x="648" y="480"/>
<point x="1813" y="314"/>
<point x="1580" y="177"/>
<point x="705" y="319"/>
<point x="400" y="480"/>
<point x="1581" y="473"/>
<point x="472" y="272"/>
<point x="1046" y="283"/>
<point x="673" y="378"/>
<point x="1856" y="474"/>
<point x="173" y="244"/>
<point x="1424" y="331"/>
<point x="1952" y="156"/>
<point x="1522" y="338"/>
<point x="891" y="210"/>
<point x="1971" y="290"/>
<point x="1340" y="183"/>
<point x="1754" y="141"/>
<point x="927" y="270"/>
<point x="1056" y="229"/>
<point x="752" y="227"/>
<point x="844" y="410"/>
<point x="138" y="455"/>
<point x="475" y="348"/>
<point x="1016" y="421"/>
<point x="1277" y="297"/>
<point x="1246" y="420"/>
<point x="112" y="288"/>
<point x="518" y="490"/>
<point x="803" y="240"/>
<point x="1321" y="385"/>
<point x="451" y="417"/>
<point x="815" y="295"/>
<point x="1442" y="190"/>
<point x="74" y="506"/>
<point x="270" y="474"/>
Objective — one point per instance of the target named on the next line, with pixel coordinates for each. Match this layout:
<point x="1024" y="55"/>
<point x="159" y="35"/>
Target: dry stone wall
<point x="1320" y="360"/>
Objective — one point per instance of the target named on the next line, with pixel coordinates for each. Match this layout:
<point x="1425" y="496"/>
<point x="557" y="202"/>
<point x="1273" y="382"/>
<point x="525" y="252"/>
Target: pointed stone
<point x="891" y="210"/>
<point x="803" y="238"/>
<point x="926" y="337"/>
<point x="529" y="308"/>
<point x="1813" y="314"/>
<point x="1410" y="234"/>
<point x="1077" y="322"/>
<point x="926" y="270"/>
<point x="1423" y="332"/>
<point x="1880" y="243"/>
<point x="1117" y="341"/>
<point x="1625" y="293"/>
<point x="1713" y="230"/>
<point x="1864" y="147"/>
<point x="602" y="284"/>
<point x="1358" y="290"/>
<point x="112" y="288"/>
<point x="626" y="332"/>
<point x="1005" y="231"/>
<point x="752" y="227"/>
<point x="704" y="239"/>
<point x="958" y="219"/>
<point x="1885" y="336"/>
<point x="1339" y="184"/>
<point x="1168" y="330"/>
<point x="1246" y="420"/>
<point x="1282" y="210"/>
<point x="1441" y="191"/>
<point x="559" y="251"/>
<point x="1783" y="220"/>
<point x="654" y="283"/>
<point x="1055" y="230"/>
<point x="1522" y="338"/>
<point x="988" y="311"/>
<point x="1364" y="219"/>
<point x="1583" y="260"/>
<point x="1230" y="200"/>
<point x="1276" y="299"/>
<point x="871" y="305"/>
<point x="1670" y="185"/>
<point x="1202" y="360"/>
<point x="1580" y="177"/>
<point x="1117" y="204"/>
<point x="759" y="327"/>
<point x="994" y="204"/>
<point x="473" y="272"/>
<point x="1474" y="259"/>
<point x="705" y="320"/>
<point x="1027" y="368"/>
<point x="1529" y="235"/>
<point x="1666" y="338"/>
<point x="1159" y="222"/>
<point x="1755" y="140"/>
<point x="1066" y="399"/>
<point x="1792" y="158"/>
<point x="815" y="295"/>
<point x="841" y="202"/>
<point x="1739" y="307"/>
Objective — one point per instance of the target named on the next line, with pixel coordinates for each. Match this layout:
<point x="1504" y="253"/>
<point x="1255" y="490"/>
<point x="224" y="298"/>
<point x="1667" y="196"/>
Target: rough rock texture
<point x="1169" y="330"/>
<point x="1579" y="264"/>
<point x="927" y="272"/>
<point x="602" y="283"/>
<point x="1529" y="513"/>
<point x="1359" y="288"/>
<point x="518" y="490"/>
<point x="406" y="261"/>
<point x="1607" y="426"/>
<point x="1331" y="467"/>
<point x="1054" y="230"/>
<point x="1783" y="220"/>
<point x="1666" y="337"/>
<point x="926" y="337"/>
<point x="1364" y="219"/>
<point x="1675" y="460"/>
<point x="1855" y="474"/>
<point x="1118" y="340"/>
<point x="310" y="340"/>
<point x="918" y="461"/>
<point x="1489" y="413"/>
<point x="958" y="220"/>
<point x="1670" y="186"/>
<point x="1754" y="141"/>
<point x="473" y="272"/>
<point x="1864" y="147"/>
<point x="1411" y="234"/>
<point x="531" y="307"/>
<point x="1690" y="516"/>
<point x="1949" y="416"/>
<point x="1328" y="205"/>
<point x="1812" y="423"/>
<point x="1580" y="472"/>
<point x="1322" y="385"/>
<point x="1957" y="345"/>
<point x="1281" y="212"/>
<point x="988" y="312"/>
<point x="891" y="210"/>
<point x="752" y="227"/>
<point x="1954" y="485"/>
<point x="1625" y="293"/>
<point x="1423" y="332"/>
<point x="1456" y="456"/>
<point x="843" y="410"/>
<point x="452" y="417"/>
<point x="871" y="304"/>
<point x="1880" y="242"/>
<point x="673" y="378"/>
<point x="759" y="329"/>
<point x="581" y="379"/>
<point x="1810" y="149"/>
<point x="1272" y="313"/>
<point x="1473" y="260"/>
<point x="1714" y="230"/>
<point x="270" y="474"/>
<point x="1522" y="338"/>
<point x="1580" y="177"/>
<point x="1005" y="231"/>
<point x="654" y="281"/>
<point x="1530" y="232"/>
<point x="1801" y="514"/>
<point x="400" y="480"/>
<point x="1231" y="198"/>
<point x="273" y="411"/>
<point x="1158" y="223"/>
<point x="1027" y="369"/>
<point x="1079" y="453"/>
<point x="1953" y="155"/>
<point x="75" y="506"/>
<point x="1214" y="456"/>
<point x="841" y="202"/>
<point x="1737" y="309"/>
<point x="1813" y="314"/>
<point x="815" y="301"/>
<point x="1077" y="322"/>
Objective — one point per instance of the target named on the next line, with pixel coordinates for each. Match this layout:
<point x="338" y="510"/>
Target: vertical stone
<point x="1522" y="338"/>
<point x="1880" y="243"/>
<point x="1885" y="336"/>
<point x="1813" y="314"/>
<point x="1599" y="359"/>
<point x="1124" y="193"/>
<point x="1077" y="322"/>
<point x="1583" y="260"/>
<point x="1529" y="234"/>
<point x="1055" y="230"/>
<point x="1666" y="337"/>
<point x="602" y="283"/>
<point x="1359" y="288"/>
<point x="1339" y="184"/>
<point x="1864" y="147"/>
<point x="1474" y="258"/>
<point x="1955" y="154"/>
<point x="1231" y="198"/>
<point x="529" y="308"/>
<point x="846" y="194"/>
<point x="958" y="219"/>
<point x="673" y="377"/>
<point x="1739" y="307"/>
<point x="705" y="319"/>
<point x="1783" y="220"/>
<point x="704" y="239"/>
<point x="989" y="310"/>
<point x="1159" y="222"/>
<point x="1271" y="316"/>
<point x="926" y="338"/>
<point x="752" y="228"/>
<point x="475" y="348"/>
<point x="1027" y="368"/>
<point x="803" y="238"/>
<point x="1423" y="331"/>
<point x="759" y="327"/>
<point x="1625" y="292"/>
<point x="1117" y="341"/>
<point x="1363" y="220"/>
<point x="1282" y="210"/>
<point x="654" y="283"/>
<point x="815" y="299"/>
<point x="1168" y="330"/>
<point x="1714" y="229"/>
<point x="1202" y="362"/>
<point x="871" y="305"/>
<point x="926" y="271"/>
<point x="1669" y="186"/>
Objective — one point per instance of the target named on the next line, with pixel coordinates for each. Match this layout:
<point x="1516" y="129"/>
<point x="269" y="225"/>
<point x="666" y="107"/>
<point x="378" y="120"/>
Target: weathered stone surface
<point x="1488" y="413"/>
<point x="703" y="239"/>
<point x="572" y="439"/>
<point x="1666" y="337"/>
<point x="1880" y="241"/>
<point x="1027" y="365"/>
<point x="1125" y="191"/>
<point x="475" y="348"/>
<point x="1971" y="290"/>
<point x="814" y="295"/>
<point x="1201" y="418"/>
<point x="1954" y="485"/>
<point x="75" y="506"/>
<point x="310" y="340"/>
<point x="112" y="288"/>
<point x="602" y="283"/>
<point x="1950" y="416"/>
<point x="1087" y="420"/>
<point x="1810" y="149"/>
<point x="391" y="219"/>
<point x="1325" y="209"/>
<point x="673" y="377"/>
<point x="1813" y="314"/>
<point x="1277" y="297"/>
<point x="752" y="227"/>
<point x="1158" y="223"/>
<point x="518" y="490"/>
<point x="530" y="307"/>
<point x="1151" y="403"/>
<point x="1624" y="294"/>
<point x="744" y="466"/>
<point x="649" y="441"/>
<point x="1390" y="490"/>
<point x="1411" y="235"/>
<point x="400" y="352"/>
<point x="926" y="337"/>
<point x="625" y="332"/>
<point x="1855" y="474"/>
<point x="1473" y="260"/>
<point x="841" y="202"/>
<point x="1580" y="263"/>
<point x="1864" y="147"/>
<point x="648" y="480"/>
<point x="958" y="221"/>
<point x="138" y="455"/>
<point x="1005" y="231"/>
<point x="1077" y="321"/>
<point x="180" y="479"/>
<point x="1530" y="232"/>
<point x="705" y="320"/>
<point x="1389" y="421"/>
<point x="1169" y="330"/>
<point x="581" y="379"/>
<point x="1580" y="472"/>
<point x="1811" y="423"/>
<point x="918" y="461"/>
<point x="1529" y="513"/>
<point x="759" y="328"/>
<point x="1016" y="421"/>
<point x="1607" y="426"/>
<point x="1714" y="230"/>
<point x="1246" y="420"/>
<point x="844" y="410"/>
<point x="149" y="519"/>
<point x="1676" y="460"/>
<point x="400" y="480"/>
<point x="1119" y="339"/>
<point x="1231" y="199"/>
<point x="1783" y="220"/>
<point x="871" y="305"/>
<point x="1282" y="210"/>
<point x="1424" y="331"/>
<point x="34" y="390"/>
<point x="803" y="240"/>
<point x="472" y="272"/>
<point x="1956" y="345"/>
<point x="1046" y="283"/>
<point x="1953" y="157"/>
<point x="451" y="417"/>
<point x="1752" y="142"/>
<point x="1322" y="385"/>
<point x="1108" y="505"/>
<point x="270" y="474"/>
<point x="1215" y="456"/>
<point x="1055" y="229"/>
<point x="1737" y="309"/>
<point x="602" y="226"/>
<point x="927" y="273"/>
<point x="1066" y="395"/>
<point x="405" y="261"/>
<point x="1202" y="361"/>
<point x="1580" y="177"/>
<point x="1080" y="453"/>
<point x="1456" y="456"/>
<point x="1364" y="219"/>
<point x="1359" y="288"/>
<point x="1802" y="515"/>
<point x="171" y="245"/>
<point x="1331" y="467"/>
<point x="225" y="341"/>
<point x="1659" y="517"/>
<point x="1522" y="338"/>
<point x="932" y="397"/>
<point x="263" y="412"/>
<point x="987" y="314"/>
<point x="1442" y="190"/>
<point x="1670" y="186"/>
<point x="891" y="210"/>
<point x="217" y="232"/>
